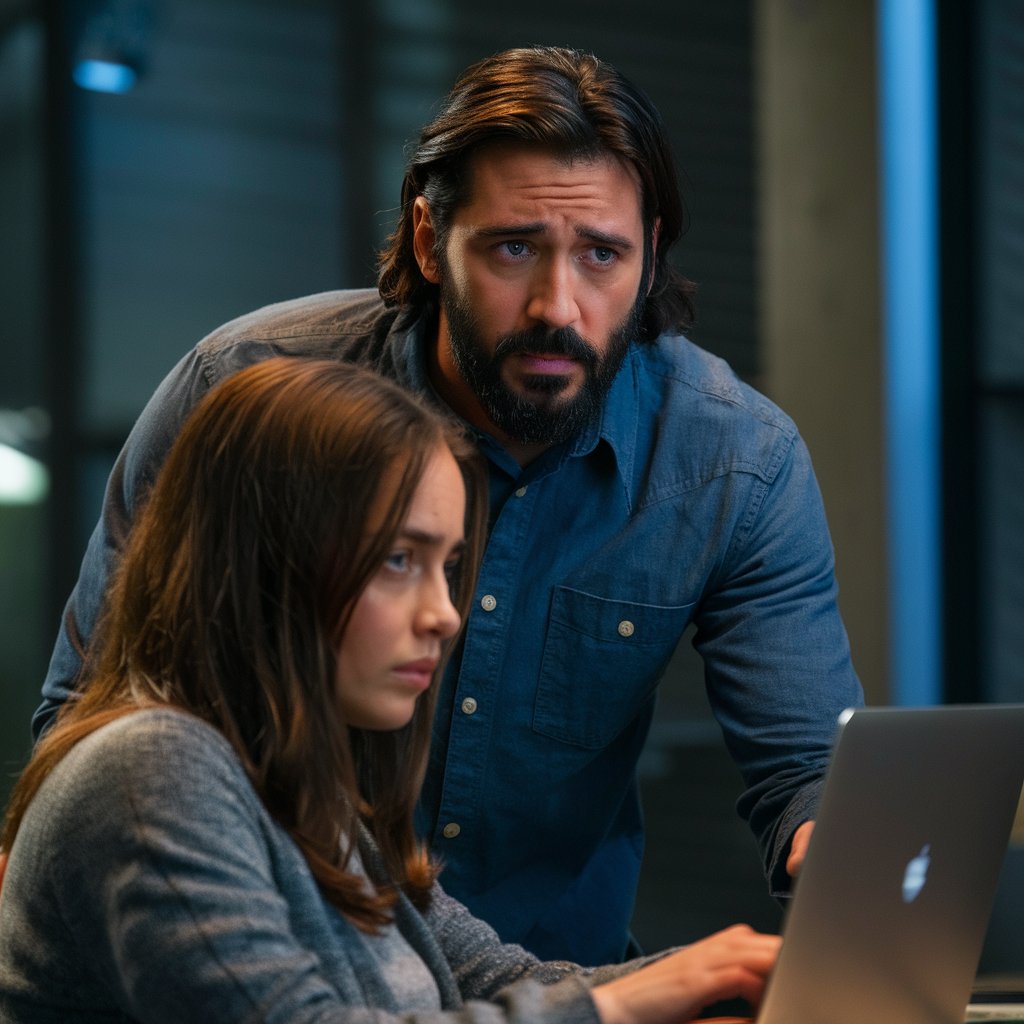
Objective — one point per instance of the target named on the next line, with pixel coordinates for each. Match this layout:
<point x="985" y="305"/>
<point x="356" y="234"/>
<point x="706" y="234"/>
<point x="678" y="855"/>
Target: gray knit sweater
<point x="149" y="883"/>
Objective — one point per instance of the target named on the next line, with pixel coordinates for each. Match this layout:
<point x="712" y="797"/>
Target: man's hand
<point x="798" y="848"/>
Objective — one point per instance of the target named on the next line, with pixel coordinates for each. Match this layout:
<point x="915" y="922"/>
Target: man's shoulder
<point x="697" y="420"/>
<point x="327" y="324"/>
<point x="688" y="380"/>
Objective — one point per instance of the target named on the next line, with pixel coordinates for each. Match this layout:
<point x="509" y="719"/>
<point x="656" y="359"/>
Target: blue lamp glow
<point x="105" y="76"/>
<point x="112" y="45"/>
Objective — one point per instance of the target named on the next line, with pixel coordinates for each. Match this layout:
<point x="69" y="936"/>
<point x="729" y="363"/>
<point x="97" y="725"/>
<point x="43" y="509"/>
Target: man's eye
<point x="603" y="255"/>
<point x="515" y="249"/>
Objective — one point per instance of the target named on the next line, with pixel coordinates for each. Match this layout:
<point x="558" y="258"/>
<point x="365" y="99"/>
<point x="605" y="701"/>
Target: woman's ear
<point x="423" y="239"/>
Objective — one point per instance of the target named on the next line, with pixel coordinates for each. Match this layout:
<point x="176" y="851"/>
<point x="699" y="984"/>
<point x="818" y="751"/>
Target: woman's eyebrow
<point x="427" y="538"/>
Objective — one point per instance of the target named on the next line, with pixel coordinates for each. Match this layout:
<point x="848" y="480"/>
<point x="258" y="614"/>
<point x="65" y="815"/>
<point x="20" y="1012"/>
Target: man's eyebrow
<point x="604" y="238"/>
<point x="502" y="230"/>
<point x="596" y="235"/>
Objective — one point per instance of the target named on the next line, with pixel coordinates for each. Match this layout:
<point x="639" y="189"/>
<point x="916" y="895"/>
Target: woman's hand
<point x="730" y="964"/>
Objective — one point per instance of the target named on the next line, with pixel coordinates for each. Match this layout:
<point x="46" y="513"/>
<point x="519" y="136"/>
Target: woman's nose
<point x="437" y="613"/>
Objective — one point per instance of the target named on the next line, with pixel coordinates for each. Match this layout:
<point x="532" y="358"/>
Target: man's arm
<point x="777" y="658"/>
<point x="330" y="325"/>
<point x="130" y="479"/>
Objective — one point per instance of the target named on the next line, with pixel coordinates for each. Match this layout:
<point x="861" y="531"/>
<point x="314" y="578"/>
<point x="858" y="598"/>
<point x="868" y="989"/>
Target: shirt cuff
<point x="801" y="808"/>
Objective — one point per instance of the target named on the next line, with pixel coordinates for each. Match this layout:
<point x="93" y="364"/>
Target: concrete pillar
<point x="819" y="265"/>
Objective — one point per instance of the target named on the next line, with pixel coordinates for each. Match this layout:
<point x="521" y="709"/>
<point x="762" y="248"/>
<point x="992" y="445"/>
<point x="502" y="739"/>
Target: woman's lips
<point x="420" y="672"/>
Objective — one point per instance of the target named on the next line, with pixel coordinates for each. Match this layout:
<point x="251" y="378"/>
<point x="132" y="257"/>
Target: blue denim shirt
<point x="690" y="499"/>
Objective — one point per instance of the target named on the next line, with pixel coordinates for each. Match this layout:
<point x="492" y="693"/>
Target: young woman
<point x="219" y="827"/>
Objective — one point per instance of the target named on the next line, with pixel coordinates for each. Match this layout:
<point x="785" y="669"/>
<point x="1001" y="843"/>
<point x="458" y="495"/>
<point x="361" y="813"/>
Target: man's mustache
<point x="540" y="341"/>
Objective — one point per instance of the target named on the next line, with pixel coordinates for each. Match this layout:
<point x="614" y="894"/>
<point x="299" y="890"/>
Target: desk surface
<point x="995" y="1011"/>
<point x="997" y="997"/>
<point x="1001" y="998"/>
<point x="1006" y="1013"/>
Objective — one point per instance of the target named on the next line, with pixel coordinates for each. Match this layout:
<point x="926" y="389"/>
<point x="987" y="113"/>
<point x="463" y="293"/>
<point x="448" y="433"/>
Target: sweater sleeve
<point x="523" y="987"/>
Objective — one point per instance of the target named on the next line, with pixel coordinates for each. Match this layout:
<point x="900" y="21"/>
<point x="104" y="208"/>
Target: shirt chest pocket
<point x="602" y="661"/>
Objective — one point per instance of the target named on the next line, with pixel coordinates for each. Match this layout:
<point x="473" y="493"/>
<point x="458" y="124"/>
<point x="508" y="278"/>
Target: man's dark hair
<point x="563" y="100"/>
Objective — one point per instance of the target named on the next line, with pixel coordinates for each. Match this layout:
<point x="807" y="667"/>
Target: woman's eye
<point x="398" y="561"/>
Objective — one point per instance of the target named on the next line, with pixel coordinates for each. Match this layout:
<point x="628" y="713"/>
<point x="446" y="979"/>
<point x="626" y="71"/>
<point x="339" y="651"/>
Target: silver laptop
<point x="891" y="907"/>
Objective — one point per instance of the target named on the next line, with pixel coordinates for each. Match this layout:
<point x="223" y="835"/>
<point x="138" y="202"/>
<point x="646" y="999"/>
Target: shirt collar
<point x="615" y="422"/>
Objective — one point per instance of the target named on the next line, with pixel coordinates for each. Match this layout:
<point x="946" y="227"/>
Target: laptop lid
<point x="890" y="909"/>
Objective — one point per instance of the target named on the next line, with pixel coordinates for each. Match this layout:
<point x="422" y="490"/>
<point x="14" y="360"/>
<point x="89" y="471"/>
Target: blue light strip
<point x="911" y="354"/>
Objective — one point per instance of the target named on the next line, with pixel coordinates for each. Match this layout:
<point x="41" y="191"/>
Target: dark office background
<point x="258" y="158"/>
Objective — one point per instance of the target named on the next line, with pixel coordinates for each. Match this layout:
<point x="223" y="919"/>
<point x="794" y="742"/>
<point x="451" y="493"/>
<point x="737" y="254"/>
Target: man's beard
<point x="538" y="414"/>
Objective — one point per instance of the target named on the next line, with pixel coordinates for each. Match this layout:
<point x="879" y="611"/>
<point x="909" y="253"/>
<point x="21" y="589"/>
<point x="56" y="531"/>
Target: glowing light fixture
<point x="23" y="480"/>
<point x="111" y="51"/>
<point x="105" y="75"/>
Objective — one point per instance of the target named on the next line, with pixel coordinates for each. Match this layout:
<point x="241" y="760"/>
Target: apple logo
<point x="916" y="874"/>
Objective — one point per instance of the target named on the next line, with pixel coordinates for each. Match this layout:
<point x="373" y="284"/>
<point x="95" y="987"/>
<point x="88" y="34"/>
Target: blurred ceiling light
<point x="105" y="75"/>
<point x="112" y="43"/>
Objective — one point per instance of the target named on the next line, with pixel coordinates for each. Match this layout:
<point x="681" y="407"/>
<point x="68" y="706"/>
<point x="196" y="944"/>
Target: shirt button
<point x="451" y="830"/>
<point x="520" y="491"/>
<point x="626" y="628"/>
<point x="469" y="705"/>
<point x="488" y="602"/>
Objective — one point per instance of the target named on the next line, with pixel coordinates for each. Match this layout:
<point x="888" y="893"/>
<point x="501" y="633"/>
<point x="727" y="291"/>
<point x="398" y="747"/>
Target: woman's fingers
<point x="733" y="963"/>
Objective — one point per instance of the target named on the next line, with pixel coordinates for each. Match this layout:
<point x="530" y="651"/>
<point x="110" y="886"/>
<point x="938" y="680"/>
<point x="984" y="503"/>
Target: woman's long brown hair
<point x="262" y="528"/>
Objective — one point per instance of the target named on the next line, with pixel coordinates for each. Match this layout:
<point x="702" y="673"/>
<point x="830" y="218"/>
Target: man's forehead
<point x="509" y="169"/>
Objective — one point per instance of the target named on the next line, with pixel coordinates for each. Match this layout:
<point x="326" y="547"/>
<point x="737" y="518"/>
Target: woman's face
<point x="392" y="642"/>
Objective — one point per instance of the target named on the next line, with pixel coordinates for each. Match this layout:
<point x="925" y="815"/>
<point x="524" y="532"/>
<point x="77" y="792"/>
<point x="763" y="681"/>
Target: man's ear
<point x="655" y="232"/>
<point x="423" y="239"/>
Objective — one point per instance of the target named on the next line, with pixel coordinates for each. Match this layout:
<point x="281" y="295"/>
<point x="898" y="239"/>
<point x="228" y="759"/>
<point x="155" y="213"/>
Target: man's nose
<point x="552" y="298"/>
